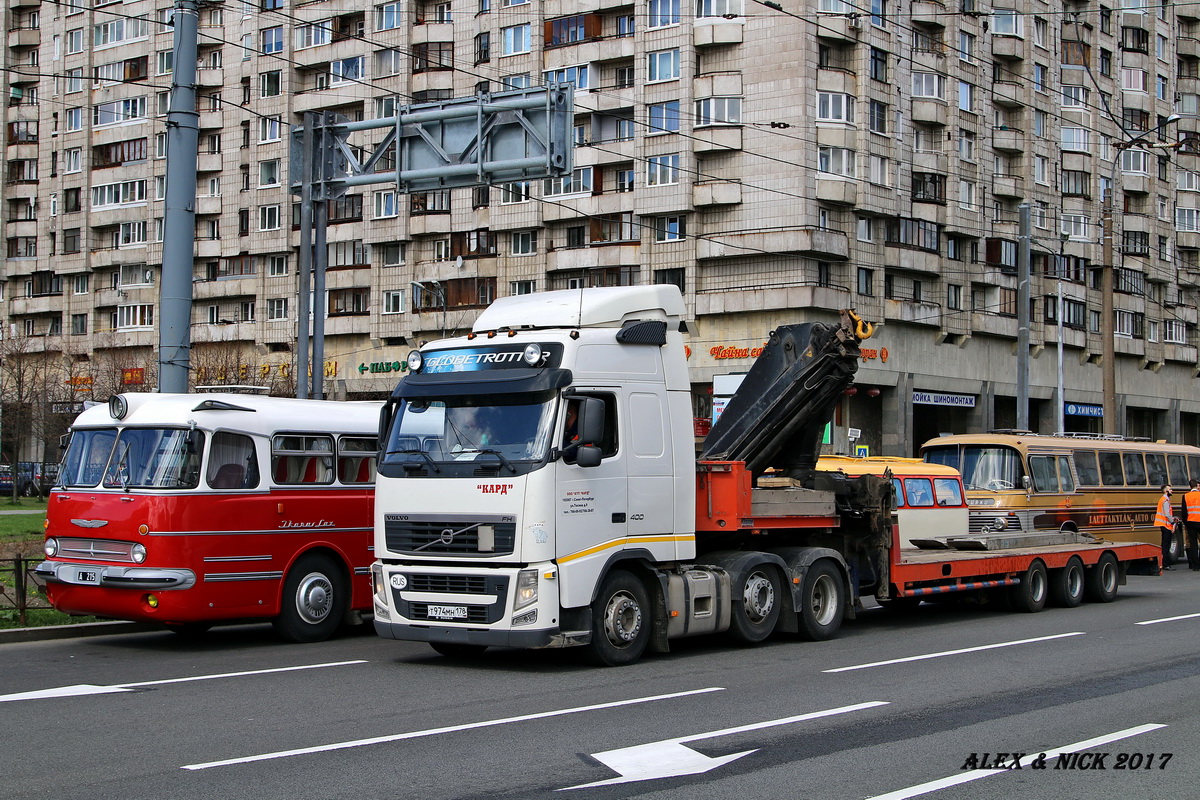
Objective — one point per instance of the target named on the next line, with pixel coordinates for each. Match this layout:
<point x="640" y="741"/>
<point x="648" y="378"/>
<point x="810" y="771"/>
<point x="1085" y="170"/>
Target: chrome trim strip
<point x="225" y="577"/>
<point x="237" y="558"/>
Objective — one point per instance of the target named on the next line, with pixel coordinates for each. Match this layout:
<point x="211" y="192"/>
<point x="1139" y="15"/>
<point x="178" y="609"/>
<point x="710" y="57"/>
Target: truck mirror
<point x="588" y="455"/>
<point x="591" y="420"/>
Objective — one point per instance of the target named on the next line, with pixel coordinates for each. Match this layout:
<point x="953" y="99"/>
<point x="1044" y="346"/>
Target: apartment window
<point x="1074" y="226"/>
<point x="966" y="46"/>
<point x="835" y="107"/>
<point x="865" y="281"/>
<point x="277" y="308"/>
<point x="388" y="16"/>
<point x="625" y="179"/>
<point x="663" y="13"/>
<point x="928" y="84"/>
<point x="432" y="57"/>
<point x="966" y="96"/>
<point x="877" y="114"/>
<point x="1136" y="161"/>
<point x="1074" y="97"/>
<point x="662" y="65"/>
<point x="1006" y="22"/>
<point x="578" y="182"/>
<point x="269" y="173"/>
<point x="928" y="187"/>
<point x="268" y="129"/>
<point x="1076" y="139"/>
<point x="878" y="64"/>
<point x="880" y="170"/>
<point x="392" y="253"/>
<point x="74" y="41"/>
<point x="483" y="47"/>
<point x="1040" y="77"/>
<point x="135" y="317"/>
<point x="664" y="117"/>
<point x="719" y="111"/>
<point x="516" y="39"/>
<point x="966" y="195"/>
<point x="1076" y="183"/>
<point x="393" y="301"/>
<point x="836" y="161"/>
<point x="271" y="40"/>
<point x="386" y="204"/>
<point x="522" y="287"/>
<point x="314" y="34"/>
<point x="669" y="229"/>
<point x="662" y="170"/>
<point x="346" y="70"/>
<point x="524" y="243"/>
<point x="1133" y="80"/>
<point x="389" y="62"/>
<point x="1187" y="219"/>
<point x="270" y="83"/>
<point x="516" y="192"/>
<point x="268" y="218"/>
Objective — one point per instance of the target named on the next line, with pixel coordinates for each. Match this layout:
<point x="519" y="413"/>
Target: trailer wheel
<point x="1066" y="584"/>
<point x="822" y="602"/>
<point x="756" y="604"/>
<point x="1030" y="594"/>
<point x="620" y="621"/>
<point x="1100" y="582"/>
<point x="458" y="649"/>
<point x="315" y="596"/>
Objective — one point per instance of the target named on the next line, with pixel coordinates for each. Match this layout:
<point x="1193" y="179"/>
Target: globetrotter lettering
<point x="465" y="359"/>
<point x="321" y="523"/>
<point x="494" y="488"/>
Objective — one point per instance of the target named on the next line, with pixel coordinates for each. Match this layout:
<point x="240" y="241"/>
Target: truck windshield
<point x="988" y="468"/>
<point x="142" y="458"/>
<point x="471" y="428"/>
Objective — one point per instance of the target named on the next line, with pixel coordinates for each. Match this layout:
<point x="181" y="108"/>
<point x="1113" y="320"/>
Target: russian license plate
<point x="87" y="576"/>
<point x="447" y="612"/>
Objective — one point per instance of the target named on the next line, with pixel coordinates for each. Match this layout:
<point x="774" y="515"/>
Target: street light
<point x="1108" y="268"/>
<point x="439" y="292"/>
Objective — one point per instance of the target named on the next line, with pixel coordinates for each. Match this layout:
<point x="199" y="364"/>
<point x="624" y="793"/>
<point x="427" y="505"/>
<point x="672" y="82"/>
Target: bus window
<point x="1045" y="473"/>
<point x="918" y="492"/>
<point x="1135" y="469"/>
<point x="947" y="456"/>
<point x="232" y="462"/>
<point x="1087" y="467"/>
<point x="1194" y="466"/>
<point x="897" y="492"/>
<point x="1156" y="469"/>
<point x="991" y="468"/>
<point x="1064" y="474"/>
<point x="302" y="459"/>
<point x="1110" y="468"/>
<point x="1177" y="467"/>
<point x="949" y="492"/>
<point x="356" y="459"/>
<point x="87" y="456"/>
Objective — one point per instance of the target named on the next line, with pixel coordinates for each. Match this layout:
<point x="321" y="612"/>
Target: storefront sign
<point x="133" y="376"/>
<point x="720" y="352"/>
<point x="943" y="399"/>
<point x="1082" y="410"/>
<point x="383" y="366"/>
<point x="870" y="353"/>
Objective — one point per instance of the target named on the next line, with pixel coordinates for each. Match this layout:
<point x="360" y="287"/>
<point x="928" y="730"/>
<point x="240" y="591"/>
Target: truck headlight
<point x="378" y="586"/>
<point x="51" y="547"/>
<point x="527" y="589"/>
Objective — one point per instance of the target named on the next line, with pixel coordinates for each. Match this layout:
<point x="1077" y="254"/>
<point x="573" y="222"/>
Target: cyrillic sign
<point x="943" y="399"/>
<point x="1082" y="410"/>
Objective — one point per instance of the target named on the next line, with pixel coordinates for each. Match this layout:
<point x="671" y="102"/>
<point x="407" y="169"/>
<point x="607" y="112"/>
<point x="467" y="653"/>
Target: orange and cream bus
<point x="191" y="509"/>
<point x="1105" y="486"/>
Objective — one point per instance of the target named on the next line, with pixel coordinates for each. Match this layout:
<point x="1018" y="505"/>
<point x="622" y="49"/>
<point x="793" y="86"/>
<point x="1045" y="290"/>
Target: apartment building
<point x="775" y="163"/>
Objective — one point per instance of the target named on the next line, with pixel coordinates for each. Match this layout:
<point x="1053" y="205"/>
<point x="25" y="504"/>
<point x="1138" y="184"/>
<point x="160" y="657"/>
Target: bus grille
<point x="96" y="550"/>
<point x="448" y="536"/>
<point x="448" y="584"/>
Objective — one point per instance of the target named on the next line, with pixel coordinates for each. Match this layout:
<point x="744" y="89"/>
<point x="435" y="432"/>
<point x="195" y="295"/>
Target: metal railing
<point x="20" y="588"/>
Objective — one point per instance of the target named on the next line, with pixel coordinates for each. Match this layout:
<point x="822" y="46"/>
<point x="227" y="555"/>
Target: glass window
<point x="918" y="492"/>
<point x="1135" y="469"/>
<point x="1044" y="470"/>
<point x="1177" y="467"/>
<point x="949" y="492"/>
<point x="1111" y="473"/>
<point x="898" y="492"/>
<point x="296" y="458"/>
<point x="356" y="459"/>
<point x="232" y="462"/>
<point x="163" y="458"/>
<point x="1156" y="469"/>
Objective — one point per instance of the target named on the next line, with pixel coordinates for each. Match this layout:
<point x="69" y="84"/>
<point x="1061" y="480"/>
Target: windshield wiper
<point x="414" y="452"/>
<point x="489" y="450"/>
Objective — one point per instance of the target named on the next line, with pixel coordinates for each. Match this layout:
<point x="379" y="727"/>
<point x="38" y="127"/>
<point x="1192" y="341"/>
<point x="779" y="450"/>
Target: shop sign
<point x="870" y="354"/>
<point x="944" y="399"/>
<point x="720" y="352"/>
<point x="383" y="366"/>
<point x="133" y="376"/>
<point x="1083" y="410"/>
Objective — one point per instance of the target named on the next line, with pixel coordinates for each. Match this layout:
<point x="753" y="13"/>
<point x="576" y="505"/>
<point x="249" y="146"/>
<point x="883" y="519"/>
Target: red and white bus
<point x="191" y="509"/>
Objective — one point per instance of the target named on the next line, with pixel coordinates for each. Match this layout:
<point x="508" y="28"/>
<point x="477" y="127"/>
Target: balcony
<point x="597" y="256"/>
<point x="210" y="77"/>
<point x="822" y="243"/>
<point x="717" y="138"/>
<point x="24" y="37"/>
<point x="931" y="13"/>
<point x="208" y="248"/>
<point x="929" y="111"/>
<point x="1008" y="47"/>
<point x="837" y="190"/>
<point x="716" y="31"/>
<point x="209" y="204"/>
<point x="914" y="312"/>
<point x="208" y="162"/>
<point x="15" y="4"/>
<point x="1008" y="139"/>
<point x="716" y="193"/>
<point x="839" y="28"/>
<point x="1187" y="46"/>
<point x="1008" y="185"/>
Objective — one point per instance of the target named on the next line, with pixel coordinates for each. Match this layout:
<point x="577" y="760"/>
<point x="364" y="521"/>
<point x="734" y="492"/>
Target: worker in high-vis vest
<point x="1164" y="520"/>
<point x="1191" y="523"/>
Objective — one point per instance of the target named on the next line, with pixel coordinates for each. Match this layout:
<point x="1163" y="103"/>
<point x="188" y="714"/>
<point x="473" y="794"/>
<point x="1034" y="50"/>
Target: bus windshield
<point x="988" y="468"/>
<point x="516" y="428"/>
<point x="141" y="458"/>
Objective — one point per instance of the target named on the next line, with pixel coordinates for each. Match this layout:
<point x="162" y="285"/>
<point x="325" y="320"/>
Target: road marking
<point x="955" y="652"/>
<point x="669" y="758"/>
<point x="974" y="775"/>
<point x="1167" y="619"/>
<point x="448" y="729"/>
<point x="85" y="688"/>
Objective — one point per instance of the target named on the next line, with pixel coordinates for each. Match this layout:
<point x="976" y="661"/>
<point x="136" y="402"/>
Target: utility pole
<point x="1108" y="357"/>
<point x="1023" y="320"/>
<point x="179" y="217"/>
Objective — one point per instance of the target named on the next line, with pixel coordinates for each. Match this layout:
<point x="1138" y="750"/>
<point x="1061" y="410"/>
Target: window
<point x="118" y="194"/>
<point x="1076" y="183"/>
<point x="524" y="243"/>
<point x="663" y="13"/>
<point x="1187" y="219"/>
<point x="516" y="39"/>
<point x="966" y="195"/>
<point x="268" y="218"/>
<point x="268" y="129"/>
<point x="1006" y="22"/>
<point x="393" y="301"/>
<point x="314" y="34"/>
<point x="864" y="230"/>
<point x="386" y="204"/>
<point x="669" y="229"/>
<point x="1074" y="226"/>
<point x="1076" y="139"/>
<point x="928" y="187"/>
<point x="662" y="170"/>
<point x="578" y="182"/>
<point x="663" y="117"/>
<point x="719" y="111"/>
<point x="928" y="84"/>
<point x="120" y="30"/>
<point x="880" y="170"/>
<point x="1074" y="97"/>
<point x="572" y="29"/>
<point x="966" y="46"/>
<point x="865" y="281"/>
<point x="522" y="287"/>
<point x="836" y="161"/>
<point x="966" y="96"/>
<point x="1133" y="80"/>
<point x="135" y="317"/>
<point x="346" y="70"/>
<point x="75" y="41"/>
<point x="270" y="83"/>
<point x="271" y="39"/>
<point x="662" y="65"/>
<point x="835" y="107"/>
<point x="878" y="64"/>
<point x="517" y="192"/>
<point x="277" y="308"/>
<point x="388" y="16"/>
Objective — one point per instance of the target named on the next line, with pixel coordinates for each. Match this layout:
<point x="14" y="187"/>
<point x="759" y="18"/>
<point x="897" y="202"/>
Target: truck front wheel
<point x="620" y="621"/>
<point x="755" y="607"/>
<point x="822" y="602"/>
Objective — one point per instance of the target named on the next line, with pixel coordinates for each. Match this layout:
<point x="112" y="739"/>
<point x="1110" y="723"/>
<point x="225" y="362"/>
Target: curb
<point x="51" y="632"/>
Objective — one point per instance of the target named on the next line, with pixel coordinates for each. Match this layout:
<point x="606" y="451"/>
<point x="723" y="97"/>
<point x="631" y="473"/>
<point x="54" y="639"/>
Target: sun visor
<point x="507" y="381"/>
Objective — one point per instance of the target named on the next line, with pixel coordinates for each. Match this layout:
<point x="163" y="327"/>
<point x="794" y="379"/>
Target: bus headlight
<point x="138" y="553"/>
<point x="527" y="589"/>
<point x="118" y="406"/>
<point x="51" y="547"/>
<point x="999" y="524"/>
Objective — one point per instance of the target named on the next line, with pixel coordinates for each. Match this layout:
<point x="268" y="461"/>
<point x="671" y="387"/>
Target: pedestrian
<point x="1191" y="522"/>
<point x="1164" y="520"/>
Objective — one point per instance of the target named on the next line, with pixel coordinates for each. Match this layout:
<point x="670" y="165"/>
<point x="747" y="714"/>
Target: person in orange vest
<point x="1191" y="522"/>
<point x="1164" y="520"/>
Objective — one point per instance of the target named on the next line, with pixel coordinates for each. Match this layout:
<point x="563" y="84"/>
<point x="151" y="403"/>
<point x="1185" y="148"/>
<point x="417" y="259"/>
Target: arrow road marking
<point x="81" y="689"/>
<point x="669" y="758"/>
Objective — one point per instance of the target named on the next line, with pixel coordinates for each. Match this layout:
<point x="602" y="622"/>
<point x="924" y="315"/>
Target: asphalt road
<point x="897" y="706"/>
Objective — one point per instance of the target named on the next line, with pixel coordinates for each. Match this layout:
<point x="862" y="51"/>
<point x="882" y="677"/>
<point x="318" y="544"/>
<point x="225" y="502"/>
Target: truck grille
<point x="448" y="584"/>
<point x="404" y="534"/>
<point x="96" y="550"/>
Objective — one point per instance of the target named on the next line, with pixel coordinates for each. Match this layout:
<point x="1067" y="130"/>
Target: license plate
<point x="448" y="612"/>
<point x="87" y="576"/>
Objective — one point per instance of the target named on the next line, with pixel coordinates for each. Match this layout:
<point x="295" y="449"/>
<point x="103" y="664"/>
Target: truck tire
<point x="1029" y="596"/>
<point x="755" y="605"/>
<point x="822" y="602"/>
<point x="1066" y="584"/>
<point x="1175" y="552"/>
<point x="458" y="649"/>
<point x="1100" y="582"/>
<point x="621" y="621"/>
<point x="315" y="597"/>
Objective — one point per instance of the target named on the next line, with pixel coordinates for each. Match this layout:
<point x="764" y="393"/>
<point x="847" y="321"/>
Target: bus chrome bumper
<point x="110" y="577"/>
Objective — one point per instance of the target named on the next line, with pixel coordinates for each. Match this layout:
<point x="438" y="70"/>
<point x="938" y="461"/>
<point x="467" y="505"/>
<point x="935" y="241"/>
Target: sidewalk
<point x="50" y="632"/>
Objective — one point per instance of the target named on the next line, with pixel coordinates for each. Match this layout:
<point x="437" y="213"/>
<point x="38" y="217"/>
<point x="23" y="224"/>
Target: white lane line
<point x="1167" y="619"/>
<point x="86" y="688"/>
<point x="976" y="774"/>
<point x="448" y="729"/>
<point x="955" y="652"/>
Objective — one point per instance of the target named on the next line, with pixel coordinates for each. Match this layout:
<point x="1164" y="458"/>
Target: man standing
<point x="1191" y="522"/>
<point x="1164" y="520"/>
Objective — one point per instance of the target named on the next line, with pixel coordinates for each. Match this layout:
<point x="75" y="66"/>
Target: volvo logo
<point x="447" y="536"/>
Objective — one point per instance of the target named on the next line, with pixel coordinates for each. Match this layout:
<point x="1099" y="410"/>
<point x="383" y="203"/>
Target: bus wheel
<point x="314" y="600"/>
<point x="457" y="649"/>
<point x="756" y="603"/>
<point x="620" y="621"/>
<point x="1100" y="583"/>
<point x="1066" y="584"/>
<point x="1030" y="594"/>
<point x="822" y="604"/>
